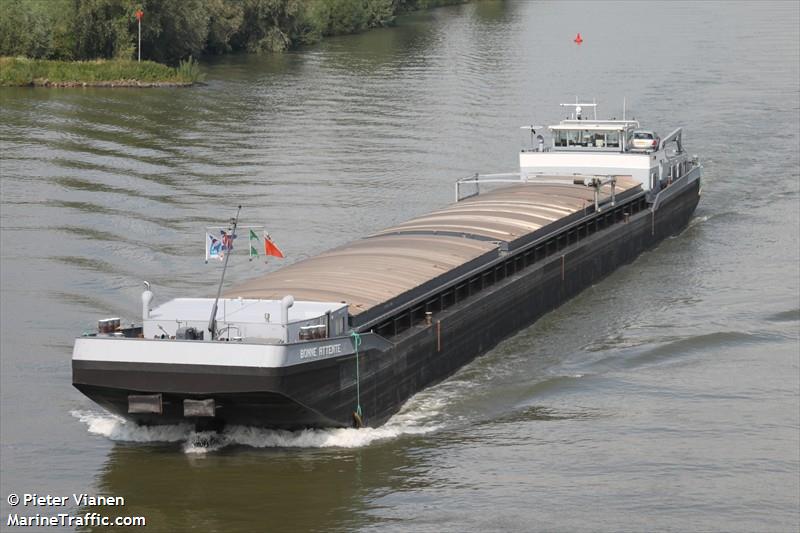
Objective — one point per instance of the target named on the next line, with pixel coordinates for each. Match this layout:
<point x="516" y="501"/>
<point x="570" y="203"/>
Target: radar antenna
<point x="578" y="108"/>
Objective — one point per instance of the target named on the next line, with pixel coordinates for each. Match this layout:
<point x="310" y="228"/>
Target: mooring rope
<point x="356" y="343"/>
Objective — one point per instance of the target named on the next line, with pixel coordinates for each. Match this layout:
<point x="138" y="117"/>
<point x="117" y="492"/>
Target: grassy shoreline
<point x="25" y="72"/>
<point x="51" y="43"/>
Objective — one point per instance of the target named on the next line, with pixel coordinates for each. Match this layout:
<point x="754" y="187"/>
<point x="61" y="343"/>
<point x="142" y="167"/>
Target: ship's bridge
<point x="593" y="135"/>
<point x="582" y="146"/>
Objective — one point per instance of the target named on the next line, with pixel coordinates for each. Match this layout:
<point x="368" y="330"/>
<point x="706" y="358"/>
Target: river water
<point x="666" y="397"/>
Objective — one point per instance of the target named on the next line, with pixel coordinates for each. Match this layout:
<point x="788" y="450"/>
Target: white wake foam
<point x="307" y="438"/>
<point x="117" y="428"/>
<point x="414" y="419"/>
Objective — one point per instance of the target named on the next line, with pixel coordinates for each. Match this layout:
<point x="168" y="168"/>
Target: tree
<point x="173" y="29"/>
<point x="224" y="20"/>
<point x="101" y="29"/>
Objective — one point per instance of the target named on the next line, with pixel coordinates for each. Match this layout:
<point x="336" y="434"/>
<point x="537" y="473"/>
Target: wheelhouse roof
<point x="592" y="126"/>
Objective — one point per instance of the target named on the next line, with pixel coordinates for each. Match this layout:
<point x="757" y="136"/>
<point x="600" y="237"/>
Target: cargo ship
<point x="347" y="337"/>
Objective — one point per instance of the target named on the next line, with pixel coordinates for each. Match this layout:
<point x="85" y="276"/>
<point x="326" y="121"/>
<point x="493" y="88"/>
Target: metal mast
<point x="212" y="322"/>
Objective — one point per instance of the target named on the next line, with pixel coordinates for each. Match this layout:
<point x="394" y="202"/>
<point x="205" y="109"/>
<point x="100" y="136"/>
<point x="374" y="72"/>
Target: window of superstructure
<point x="573" y="137"/>
<point x="587" y="138"/>
<point x="568" y="138"/>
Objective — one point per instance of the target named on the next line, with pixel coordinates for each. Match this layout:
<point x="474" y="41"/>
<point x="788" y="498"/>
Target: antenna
<point x="579" y="108"/>
<point x="212" y="322"/>
<point x="532" y="129"/>
<point x="624" y="105"/>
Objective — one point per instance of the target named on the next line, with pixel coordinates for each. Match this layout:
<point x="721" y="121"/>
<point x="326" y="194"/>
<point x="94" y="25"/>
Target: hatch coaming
<point x="367" y="272"/>
<point x="387" y="270"/>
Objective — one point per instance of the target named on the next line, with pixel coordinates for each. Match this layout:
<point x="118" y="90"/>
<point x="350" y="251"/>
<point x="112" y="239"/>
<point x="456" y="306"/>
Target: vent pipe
<point x="147" y="298"/>
<point x="286" y="302"/>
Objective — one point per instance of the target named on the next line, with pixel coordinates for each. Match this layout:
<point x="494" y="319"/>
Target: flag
<point x="270" y="248"/>
<point x="214" y="248"/>
<point x="227" y="240"/>
<point x="220" y="241"/>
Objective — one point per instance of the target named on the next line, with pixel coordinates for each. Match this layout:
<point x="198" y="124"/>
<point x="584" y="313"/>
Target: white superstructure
<point x="578" y="146"/>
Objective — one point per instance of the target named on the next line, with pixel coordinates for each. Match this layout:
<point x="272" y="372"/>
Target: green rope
<point x="356" y="343"/>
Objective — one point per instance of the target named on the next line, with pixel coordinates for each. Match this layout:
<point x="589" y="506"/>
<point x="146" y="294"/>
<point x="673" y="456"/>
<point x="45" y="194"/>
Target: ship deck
<point x="390" y="267"/>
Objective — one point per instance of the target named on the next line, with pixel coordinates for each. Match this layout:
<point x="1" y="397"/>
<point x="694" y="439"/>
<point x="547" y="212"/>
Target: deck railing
<point x="595" y="181"/>
<point x="477" y="179"/>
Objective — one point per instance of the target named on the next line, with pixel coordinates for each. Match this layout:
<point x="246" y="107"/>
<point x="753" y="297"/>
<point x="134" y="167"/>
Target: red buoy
<point x="578" y="38"/>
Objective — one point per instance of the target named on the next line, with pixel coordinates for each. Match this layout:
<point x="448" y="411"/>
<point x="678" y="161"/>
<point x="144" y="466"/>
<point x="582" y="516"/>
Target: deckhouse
<point x="578" y="145"/>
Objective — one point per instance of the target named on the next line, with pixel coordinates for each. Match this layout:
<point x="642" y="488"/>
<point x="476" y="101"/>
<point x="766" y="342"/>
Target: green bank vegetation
<point x="18" y="71"/>
<point x="173" y="30"/>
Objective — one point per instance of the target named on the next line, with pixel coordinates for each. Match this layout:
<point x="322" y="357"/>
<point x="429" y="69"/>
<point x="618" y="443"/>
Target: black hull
<point x="425" y="355"/>
<point x="323" y="393"/>
<point x="317" y="394"/>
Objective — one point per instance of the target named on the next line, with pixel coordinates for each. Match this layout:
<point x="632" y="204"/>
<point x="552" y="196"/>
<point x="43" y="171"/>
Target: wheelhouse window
<point x="586" y="138"/>
<point x="567" y="138"/>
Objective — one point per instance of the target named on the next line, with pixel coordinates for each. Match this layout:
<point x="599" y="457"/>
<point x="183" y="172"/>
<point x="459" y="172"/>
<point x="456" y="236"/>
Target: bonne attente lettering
<point x="326" y="350"/>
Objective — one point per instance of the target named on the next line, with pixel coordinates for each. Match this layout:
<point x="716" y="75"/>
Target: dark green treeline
<point x="175" y="29"/>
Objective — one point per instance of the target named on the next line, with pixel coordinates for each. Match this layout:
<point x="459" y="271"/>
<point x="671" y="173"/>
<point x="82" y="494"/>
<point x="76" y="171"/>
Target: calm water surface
<point x="666" y="397"/>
